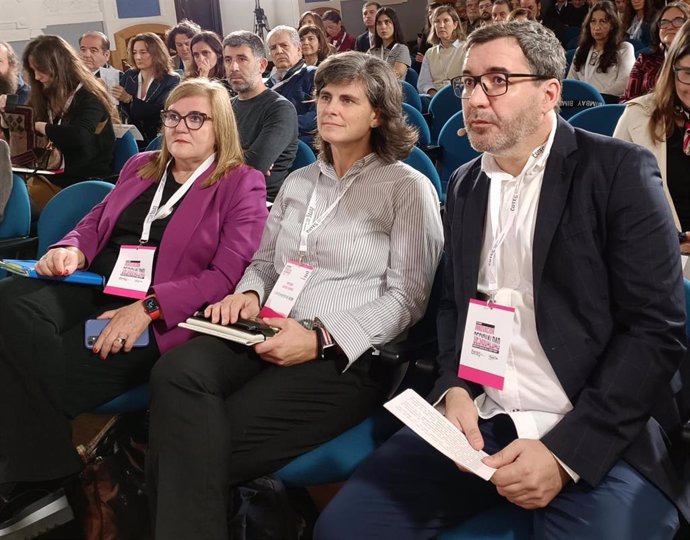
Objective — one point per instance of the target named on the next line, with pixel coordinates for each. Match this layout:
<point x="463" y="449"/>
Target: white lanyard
<point x="66" y="107"/>
<point x="158" y="213"/>
<point x="309" y="225"/>
<point x="534" y="161"/>
<point x="389" y="51"/>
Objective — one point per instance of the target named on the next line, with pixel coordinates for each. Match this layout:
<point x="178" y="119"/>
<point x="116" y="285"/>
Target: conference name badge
<point x="486" y="342"/>
<point x="132" y="273"/>
<point x="287" y="289"/>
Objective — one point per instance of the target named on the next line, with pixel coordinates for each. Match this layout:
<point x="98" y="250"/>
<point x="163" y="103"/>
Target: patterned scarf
<point x="686" y="130"/>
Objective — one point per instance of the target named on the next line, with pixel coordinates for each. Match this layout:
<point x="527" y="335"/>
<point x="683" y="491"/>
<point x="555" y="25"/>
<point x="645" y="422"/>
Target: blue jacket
<point x="298" y="88"/>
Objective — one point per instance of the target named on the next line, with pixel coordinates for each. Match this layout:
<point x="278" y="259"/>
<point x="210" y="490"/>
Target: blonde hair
<point x="228" y="149"/>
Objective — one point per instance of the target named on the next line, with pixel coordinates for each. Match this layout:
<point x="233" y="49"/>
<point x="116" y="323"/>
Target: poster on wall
<point x="132" y="9"/>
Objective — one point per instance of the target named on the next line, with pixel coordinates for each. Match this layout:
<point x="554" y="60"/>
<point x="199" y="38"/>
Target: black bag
<point x="112" y="504"/>
<point x="267" y="510"/>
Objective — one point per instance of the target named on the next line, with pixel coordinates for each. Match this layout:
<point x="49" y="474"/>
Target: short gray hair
<point x="251" y="40"/>
<point x="540" y="46"/>
<point x="105" y="42"/>
<point x="284" y="29"/>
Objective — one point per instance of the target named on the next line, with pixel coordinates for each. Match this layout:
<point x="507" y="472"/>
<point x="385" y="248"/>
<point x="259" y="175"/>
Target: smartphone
<point x="94" y="327"/>
<point x="251" y="325"/>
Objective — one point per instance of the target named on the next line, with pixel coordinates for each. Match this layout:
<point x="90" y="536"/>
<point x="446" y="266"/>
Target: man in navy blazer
<point x="572" y="231"/>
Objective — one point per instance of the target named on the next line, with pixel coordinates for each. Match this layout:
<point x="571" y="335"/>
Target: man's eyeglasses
<point x="682" y="74"/>
<point x="676" y="22"/>
<point x="493" y="84"/>
<point x="194" y="120"/>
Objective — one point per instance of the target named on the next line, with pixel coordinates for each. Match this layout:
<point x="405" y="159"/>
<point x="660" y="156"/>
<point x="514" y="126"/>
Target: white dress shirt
<point x="532" y="394"/>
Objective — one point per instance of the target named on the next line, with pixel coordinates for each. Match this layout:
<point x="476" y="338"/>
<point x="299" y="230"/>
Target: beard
<point x="8" y="83"/>
<point x="510" y="131"/>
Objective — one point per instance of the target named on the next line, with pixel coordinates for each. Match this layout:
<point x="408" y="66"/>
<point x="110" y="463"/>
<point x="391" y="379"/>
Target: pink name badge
<point x="486" y="342"/>
<point x="282" y="299"/>
<point x="132" y="273"/>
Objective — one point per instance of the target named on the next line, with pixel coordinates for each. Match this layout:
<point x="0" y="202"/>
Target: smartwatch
<point x="152" y="307"/>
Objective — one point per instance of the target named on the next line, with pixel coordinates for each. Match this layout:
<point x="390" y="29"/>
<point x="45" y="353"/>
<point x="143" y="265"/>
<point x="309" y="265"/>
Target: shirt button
<point x="514" y="410"/>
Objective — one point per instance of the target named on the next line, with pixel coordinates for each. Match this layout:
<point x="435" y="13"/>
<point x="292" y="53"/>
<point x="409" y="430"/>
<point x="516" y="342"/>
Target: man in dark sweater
<point x="267" y="122"/>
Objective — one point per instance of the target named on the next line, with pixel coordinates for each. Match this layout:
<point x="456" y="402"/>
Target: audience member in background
<point x="576" y="12"/>
<point x="624" y="9"/>
<point x="660" y="122"/>
<point x="223" y="413"/>
<point x="314" y="45"/>
<point x="520" y="15"/>
<point x="203" y="241"/>
<point x="500" y="11"/>
<point x="145" y="87"/>
<point x="638" y="28"/>
<point x="484" y="7"/>
<point x="73" y="111"/>
<point x="389" y="43"/>
<point x="474" y="21"/>
<point x="311" y="18"/>
<point x="444" y="60"/>
<point x="602" y="59"/>
<point x="365" y="40"/>
<point x="94" y="49"/>
<point x="11" y="81"/>
<point x="179" y="39"/>
<point x="423" y="44"/>
<point x="292" y="78"/>
<point x="207" y="56"/>
<point x="647" y="66"/>
<point x="534" y="7"/>
<point x="267" y="122"/>
<point x="338" y="37"/>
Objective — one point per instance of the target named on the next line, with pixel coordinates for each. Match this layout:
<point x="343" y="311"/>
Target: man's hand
<point x="233" y="307"/>
<point x="527" y="474"/>
<point x="60" y="262"/>
<point x="128" y="323"/>
<point x="460" y="410"/>
<point x="685" y="244"/>
<point x="293" y="345"/>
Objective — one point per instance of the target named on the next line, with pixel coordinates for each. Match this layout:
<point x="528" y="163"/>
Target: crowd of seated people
<point x="365" y="234"/>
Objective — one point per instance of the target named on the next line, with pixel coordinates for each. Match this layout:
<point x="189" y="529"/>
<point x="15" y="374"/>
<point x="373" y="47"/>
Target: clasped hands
<point x="293" y="345"/>
<point x="527" y="473"/>
<point x="126" y="323"/>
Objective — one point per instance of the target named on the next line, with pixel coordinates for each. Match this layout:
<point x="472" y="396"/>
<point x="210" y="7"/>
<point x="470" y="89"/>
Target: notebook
<point x="244" y="332"/>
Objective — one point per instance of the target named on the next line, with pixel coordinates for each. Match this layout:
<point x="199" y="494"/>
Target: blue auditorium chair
<point x="417" y="120"/>
<point x="411" y="76"/>
<point x="305" y="156"/>
<point x="443" y="105"/>
<point x="455" y="150"/>
<point x="577" y="96"/>
<point x="125" y="148"/>
<point x="420" y="161"/>
<point x="411" y="95"/>
<point x="155" y="144"/>
<point x="601" y="120"/>
<point x="15" y="226"/>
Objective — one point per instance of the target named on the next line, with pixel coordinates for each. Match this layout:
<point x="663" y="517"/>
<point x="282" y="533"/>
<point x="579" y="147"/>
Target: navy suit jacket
<point x="362" y="42"/>
<point x="609" y="302"/>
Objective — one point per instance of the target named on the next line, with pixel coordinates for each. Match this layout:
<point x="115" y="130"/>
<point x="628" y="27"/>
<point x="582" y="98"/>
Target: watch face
<point x="307" y="323"/>
<point x="151" y="305"/>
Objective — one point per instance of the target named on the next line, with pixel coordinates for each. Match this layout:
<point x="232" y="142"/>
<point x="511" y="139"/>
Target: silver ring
<point x="121" y="340"/>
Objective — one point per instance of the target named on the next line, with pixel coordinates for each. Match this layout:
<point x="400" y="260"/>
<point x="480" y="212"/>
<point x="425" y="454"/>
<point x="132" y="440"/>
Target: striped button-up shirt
<point x="374" y="255"/>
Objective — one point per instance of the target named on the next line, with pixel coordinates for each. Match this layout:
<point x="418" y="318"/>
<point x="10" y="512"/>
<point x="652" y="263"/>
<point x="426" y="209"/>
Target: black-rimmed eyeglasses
<point x="194" y="120"/>
<point x="676" y="22"/>
<point x="493" y="84"/>
<point x="682" y="74"/>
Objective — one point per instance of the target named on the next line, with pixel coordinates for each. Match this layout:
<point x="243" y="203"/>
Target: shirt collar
<point x="358" y="166"/>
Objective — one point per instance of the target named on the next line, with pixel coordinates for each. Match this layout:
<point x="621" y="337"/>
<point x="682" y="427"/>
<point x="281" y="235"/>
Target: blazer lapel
<point x="472" y="235"/>
<point x="558" y="177"/>
<point x="154" y="87"/>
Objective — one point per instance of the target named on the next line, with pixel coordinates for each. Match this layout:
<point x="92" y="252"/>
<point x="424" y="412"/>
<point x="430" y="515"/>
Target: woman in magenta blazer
<point x="202" y="247"/>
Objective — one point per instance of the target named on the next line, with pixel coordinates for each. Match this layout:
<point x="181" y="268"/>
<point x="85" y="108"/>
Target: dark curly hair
<point x="393" y="138"/>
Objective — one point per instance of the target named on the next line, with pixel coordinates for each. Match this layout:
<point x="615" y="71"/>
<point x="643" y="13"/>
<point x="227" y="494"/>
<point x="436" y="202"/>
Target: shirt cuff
<point x="571" y="473"/>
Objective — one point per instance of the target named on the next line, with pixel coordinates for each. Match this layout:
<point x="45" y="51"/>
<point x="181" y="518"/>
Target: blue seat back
<point x="155" y="144"/>
<point x="125" y="148"/>
<point x="136" y="399"/>
<point x="569" y="55"/>
<point x="417" y="120"/>
<point x="67" y="208"/>
<point x="16" y="222"/>
<point x="600" y="120"/>
<point x="420" y="161"/>
<point x="411" y="95"/>
<point x="305" y="156"/>
<point x="443" y="105"/>
<point x="577" y="96"/>
<point x="456" y="149"/>
<point x="411" y="76"/>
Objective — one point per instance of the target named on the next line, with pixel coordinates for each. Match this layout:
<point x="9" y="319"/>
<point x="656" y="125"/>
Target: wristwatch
<point x="152" y="307"/>
<point x="326" y="346"/>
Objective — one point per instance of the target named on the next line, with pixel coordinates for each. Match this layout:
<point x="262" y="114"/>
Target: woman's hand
<point x="203" y="64"/>
<point x="120" y="94"/>
<point x="125" y="326"/>
<point x="233" y="307"/>
<point x="293" y="345"/>
<point x="61" y="262"/>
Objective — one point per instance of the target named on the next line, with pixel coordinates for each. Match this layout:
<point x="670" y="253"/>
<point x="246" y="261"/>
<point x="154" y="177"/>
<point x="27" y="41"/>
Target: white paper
<point x="121" y="129"/>
<point x="29" y="170"/>
<point x="422" y="418"/>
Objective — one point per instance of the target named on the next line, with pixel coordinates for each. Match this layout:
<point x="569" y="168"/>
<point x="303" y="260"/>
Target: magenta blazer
<point x="205" y="248"/>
